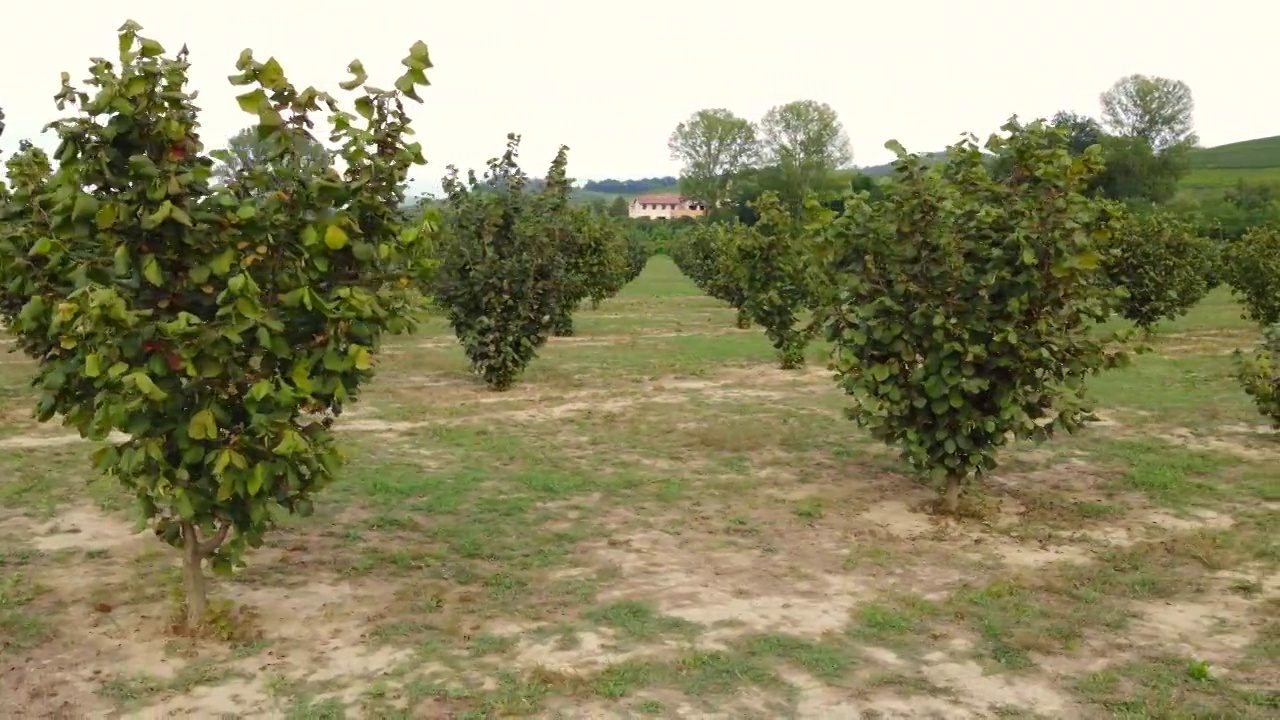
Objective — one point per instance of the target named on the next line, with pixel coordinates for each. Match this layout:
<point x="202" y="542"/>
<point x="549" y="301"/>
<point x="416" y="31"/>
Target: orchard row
<point x="964" y="302"/>
<point x="221" y="323"/>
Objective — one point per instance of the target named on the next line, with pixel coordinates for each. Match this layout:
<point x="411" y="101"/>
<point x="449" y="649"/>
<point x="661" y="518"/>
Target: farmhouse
<point x="665" y="207"/>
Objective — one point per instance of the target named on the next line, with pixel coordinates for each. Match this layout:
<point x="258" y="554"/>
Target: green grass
<point x="657" y="521"/>
<point x="1259" y="153"/>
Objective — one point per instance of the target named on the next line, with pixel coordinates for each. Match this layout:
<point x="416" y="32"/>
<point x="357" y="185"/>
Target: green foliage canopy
<point x="219" y="329"/>
<point x="962" y="305"/>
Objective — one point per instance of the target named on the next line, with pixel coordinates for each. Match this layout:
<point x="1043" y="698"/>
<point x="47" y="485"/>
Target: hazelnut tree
<point x="961" y="305"/>
<point x="708" y="256"/>
<point x="502" y="269"/>
<point x="1252" y="268"/>
<point x="220" y="329"/>
<point x="638" y="253"/>
<point x="1159" y="260"/>
<point x="779" y="277"/>
<point x="1259" y="374"/>
<point x="595" y="264"/>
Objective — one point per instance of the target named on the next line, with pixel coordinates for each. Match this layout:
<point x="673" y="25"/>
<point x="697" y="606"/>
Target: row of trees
<point x="222" y="323"/>
<point x="963" y="300"/>
<point x="797" y="149"/>
<point x="515" y="265"/>
<point x="222" y="309"/>
<point x="803" y="140"/>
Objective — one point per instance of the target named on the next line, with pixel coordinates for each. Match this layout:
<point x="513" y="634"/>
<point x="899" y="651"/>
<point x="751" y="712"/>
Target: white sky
<point x="612" y="79"/>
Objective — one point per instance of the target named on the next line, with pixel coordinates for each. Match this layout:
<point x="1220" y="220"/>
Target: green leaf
<point x="358" y="76"/>
<point x="86" y="206"/>
<point x="144" y="383"/>
<point x="221" y="462"/>
<point x="106" y="216"/>
<point x="221" y="264"/>
<point x="202" y="426"/>
<point x="256" y="479"/>
<point x="272" y="75"/>
<point x="254" y="101"/>
<point x="360" y="355"/>
<point x="122" y="262"/>
<point x="335" y="237"/>
<point x="41" y="247"/>
<point x="183" y="504"/>
<point x="270" y="118"/>
<point x="160" y="215"/>
<point x="92" y="365"/>
<point x="151" y="271"/>
<point x="261" y="389"/>
<point x="150" y="48"/>
<point x="309" y="235"/>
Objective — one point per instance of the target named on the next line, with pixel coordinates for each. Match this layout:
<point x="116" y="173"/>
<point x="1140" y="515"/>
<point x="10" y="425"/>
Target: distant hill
<point x="1212" y="168"/>
<point x="1225" y="165"/>
<point x="931" y="158"/>
<point x="1259" y="153"/>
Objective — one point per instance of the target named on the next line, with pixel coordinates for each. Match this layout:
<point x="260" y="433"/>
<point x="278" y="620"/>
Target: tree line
<point x="630" y="187"/>
<point x="1145" y="132"/>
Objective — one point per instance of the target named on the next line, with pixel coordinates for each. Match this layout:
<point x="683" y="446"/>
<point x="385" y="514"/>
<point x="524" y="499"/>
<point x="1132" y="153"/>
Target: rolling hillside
<point x="1222" y="166"/>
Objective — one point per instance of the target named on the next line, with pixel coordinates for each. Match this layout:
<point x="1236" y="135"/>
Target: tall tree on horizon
<point x="806" y="141"/>
<point x="1158" y="110"/>
<point x="714" y="144"/>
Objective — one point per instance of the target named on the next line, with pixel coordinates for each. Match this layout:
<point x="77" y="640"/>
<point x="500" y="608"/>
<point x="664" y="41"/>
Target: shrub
<point x="1160" y="262"/>
<point x="595" y="264"/>
<point x="501" y="271"/>
<point x="962" y="306"/>
<point x="1252" y="269"/>
<point x="707" y="255"/>
<point x="1259" y="374"/>
<point x="639" y="251"/>
<point x="778" y="274"/>
<point x="215" y="327"/>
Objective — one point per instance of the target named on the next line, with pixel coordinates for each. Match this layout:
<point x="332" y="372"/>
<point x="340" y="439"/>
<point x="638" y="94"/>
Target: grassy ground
<point x="1222" y="178"/>
<point x="1262" y="153"/>
<point x="657" y="522"/>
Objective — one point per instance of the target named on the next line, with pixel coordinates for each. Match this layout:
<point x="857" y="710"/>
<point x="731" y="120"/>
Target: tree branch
<point x="209" y="546"/>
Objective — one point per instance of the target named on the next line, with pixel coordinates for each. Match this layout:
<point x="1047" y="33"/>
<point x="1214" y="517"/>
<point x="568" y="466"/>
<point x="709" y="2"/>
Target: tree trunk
<point x="744" y="320"/>
<point x="193" y="576"/>
<point x="951" y="496"/>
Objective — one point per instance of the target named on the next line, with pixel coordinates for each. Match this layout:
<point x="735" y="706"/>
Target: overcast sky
<point x="612" y="79"/>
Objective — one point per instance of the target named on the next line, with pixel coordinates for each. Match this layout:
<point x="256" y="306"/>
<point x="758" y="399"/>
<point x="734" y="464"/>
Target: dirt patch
<point x="983" y="692"/>
<point x="909" y="522"/>
<point x="739" y="589"/>
<point x="114" y="619"/>
<point x="46" y="440"/>
<point x="1189" y="439"/>
<point x="1216" y="631"/>
<point x="1141" y="525"/>
<point x="84" y="528"/>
